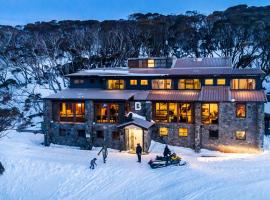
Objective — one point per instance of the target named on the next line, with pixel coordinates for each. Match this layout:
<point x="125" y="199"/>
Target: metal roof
<point x="137" y="122"/>
<point x="173" y="95"/>
<point x="249" y="96"/>
<point x="215" y="93"/>
<point x="203" y="62"/>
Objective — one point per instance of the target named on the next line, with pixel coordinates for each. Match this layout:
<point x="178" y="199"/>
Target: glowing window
<point x="183" y="132"/>
<point x="208" y="81"/>
<point x="240" y="110"/>
<point x="106" y="112"/>
<point x="116" y="84"/>
<point x="133" y="82"/>
<point x="240" y="135"/>
<point x="151" y="63"/>
<point x="189" y="84"/>
<point x="162" y="84"/>
<point x="144" y="82"/>
<point x="78" y="81"/>
<point x="163" y="131"/>
<point x="221" y="81"/>
<point x="161" y="112"/>
<point x="72" y="112"/>
<point x="210" y="113"/>
<point x="243" y="84"/>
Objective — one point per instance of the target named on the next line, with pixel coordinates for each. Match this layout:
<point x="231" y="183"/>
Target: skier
<point x="93" y="163"/>
<point x="139" y="152"/>
<point x="167" y="154"/>
<point x="104" y="152"/>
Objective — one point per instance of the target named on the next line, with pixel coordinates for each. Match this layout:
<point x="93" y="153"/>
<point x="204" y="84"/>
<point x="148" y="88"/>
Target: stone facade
<point x="198" y="133"/>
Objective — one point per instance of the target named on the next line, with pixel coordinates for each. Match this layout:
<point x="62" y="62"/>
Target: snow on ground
<point x="60" y="172"/>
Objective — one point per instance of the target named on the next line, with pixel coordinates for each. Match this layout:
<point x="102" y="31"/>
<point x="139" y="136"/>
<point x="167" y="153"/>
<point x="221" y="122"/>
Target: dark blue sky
<point x="20" y="12"/>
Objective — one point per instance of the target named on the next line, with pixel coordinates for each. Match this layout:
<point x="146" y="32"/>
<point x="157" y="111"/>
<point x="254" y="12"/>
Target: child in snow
<point x="104" y="153"/>
<point x="93" y="163"/>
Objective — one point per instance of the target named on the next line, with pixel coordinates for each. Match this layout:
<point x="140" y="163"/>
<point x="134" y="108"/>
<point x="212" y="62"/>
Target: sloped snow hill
<point x="59" y="172"/>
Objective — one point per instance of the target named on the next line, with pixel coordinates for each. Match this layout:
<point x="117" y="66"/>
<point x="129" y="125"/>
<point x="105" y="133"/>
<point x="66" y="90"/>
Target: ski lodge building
<point x="194" y="103"/>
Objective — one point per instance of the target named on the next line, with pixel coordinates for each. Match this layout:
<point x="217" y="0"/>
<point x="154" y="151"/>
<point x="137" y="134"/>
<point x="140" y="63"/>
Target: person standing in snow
<point x="167" y="153"/>
<point x="104" y="152"/>
<point x="139" y="152"/>
<point x="93" y="163"/>
<point x="121" y="142"/>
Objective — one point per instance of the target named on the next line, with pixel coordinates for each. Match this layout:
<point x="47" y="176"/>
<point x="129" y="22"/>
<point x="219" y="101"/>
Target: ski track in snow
<point x="61" y="172"/>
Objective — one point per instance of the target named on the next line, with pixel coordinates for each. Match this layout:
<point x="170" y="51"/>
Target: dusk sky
<point x="19" y="12"/>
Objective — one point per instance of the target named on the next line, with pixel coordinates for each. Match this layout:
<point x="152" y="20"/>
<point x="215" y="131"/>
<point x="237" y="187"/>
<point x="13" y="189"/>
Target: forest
<point x="41" y="53"/>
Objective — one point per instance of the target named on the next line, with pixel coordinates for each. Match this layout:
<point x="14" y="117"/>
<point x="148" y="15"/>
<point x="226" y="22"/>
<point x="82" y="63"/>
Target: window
<point x="213" y="134"/>
<point x="115" y="135"/>
<point x="189" y="84"/>
<point x="133" y="82"/>
<point x="151" y="63"/>
<point x="100" y="134"/>
<point x="208" y="81"/>
<point x="240" y="110"/>
<point x="72" y="112"/>
<point x="106" y="112"/>
<point x="173" y="112"/>
<point x="162" y="84"/>
<point x="81" y="133"/>
<point x="183" y="132"/>
<point x="240" y="135"/>
<point x="243" y="84"/>
<point x="78" y="81"/>
<point x="163" y="131"/>
<point x="210" y="113"/>
<point x="116" y="84"/>
<point x="221" y="81"/>
<point x="62" y="132"/>
<point x="144" y="82"/>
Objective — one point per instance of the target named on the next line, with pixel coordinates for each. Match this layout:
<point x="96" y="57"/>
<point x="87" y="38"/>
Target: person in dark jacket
<point x="104" y="153"/>
<point x="167" y="154"/>
<point x="139" y="152"/>
<point x="93" y="163"/>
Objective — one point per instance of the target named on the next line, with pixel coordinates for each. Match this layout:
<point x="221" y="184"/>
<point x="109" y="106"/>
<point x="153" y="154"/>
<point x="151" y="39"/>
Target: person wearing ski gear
<point x="167" y="154"/>
<point x="93" y="163"/>
<point x="104" y="153"/>
<point x="139" y="152"/>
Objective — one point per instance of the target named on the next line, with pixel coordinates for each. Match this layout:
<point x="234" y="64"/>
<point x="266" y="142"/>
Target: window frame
<point x="74" y="116"/>
<point x="236" y="108"/>
<point x="212" y="137"/>
<point x="179" y="132"/>
<point x="209" y="111"/>
<point x="237" y="84"/>
<point x="185" y="84"/>
<point x="219" y="79"/>
<point x="156" y="82"/>
<point x="133" y="82"/>
<point x="237" y="138"/>
<point x="164" y="128"/>
<point x="118" y="83"/>
<point x="209" y="79"/>
<point x="142" y="80"/>
<point x="109" y="119"/>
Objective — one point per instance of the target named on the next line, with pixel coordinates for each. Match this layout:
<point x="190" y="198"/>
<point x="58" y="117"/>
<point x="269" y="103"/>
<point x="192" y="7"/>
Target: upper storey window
<point x="208" y="81"/>
<point x="151" y="63"/>
<point x="116" y="84"/>
<point x="221" y="81"/>
<point x="162" y="84"/>
<point x="243" y="84"/>
<point x="189" y="84"/>
<point x="78" y="81"/>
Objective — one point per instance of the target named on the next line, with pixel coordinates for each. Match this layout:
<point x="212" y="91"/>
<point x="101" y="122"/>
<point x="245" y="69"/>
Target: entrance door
<point x="135" y="137"/>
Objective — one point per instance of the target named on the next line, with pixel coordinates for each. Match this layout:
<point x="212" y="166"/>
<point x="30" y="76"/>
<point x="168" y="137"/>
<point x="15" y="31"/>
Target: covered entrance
<point x="134" y="136"/>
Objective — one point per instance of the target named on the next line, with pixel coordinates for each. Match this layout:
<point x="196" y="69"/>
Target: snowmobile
<point x="161" y="161"/>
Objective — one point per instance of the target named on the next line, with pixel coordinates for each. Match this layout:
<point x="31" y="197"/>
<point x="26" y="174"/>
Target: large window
<point x="173" y="112"/>
<point x="243" y="84"/>
<point x="72" y="112"/>
<point x="189" y="84"/>
<point x="106" y="112"/>
<point x="240" y="110"/>
<point x="116" y="84"/>
<point x="162" y="84"/>
<point x="210" y="113"/>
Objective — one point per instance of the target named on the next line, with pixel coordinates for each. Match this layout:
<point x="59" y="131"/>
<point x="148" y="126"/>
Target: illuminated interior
<point x="240" y="135"/>
<point x="189" y="84"/>
<point x="243" y="84"/>
<point x="163" y="131"/>
<point x="173" y="112"/>
<point x="208" y="81"/>
<point x="221" y="81"/>
<point x="133" y="82"/>
<point x="144" y="82"/>
<point x="151" y="63"/>
<point x="183" y="132"/>
<point x="135" y="136"/>
<point x="162" y="84"/>
<point x="106" y="112"/>
<point x="210" y="113"/>
<point x="116" y="84"/>
<point x="241" y="110"/>
<point x="72" y="112"/>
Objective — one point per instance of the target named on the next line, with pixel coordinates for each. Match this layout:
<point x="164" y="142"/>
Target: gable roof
<point x="137" y="122"/>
